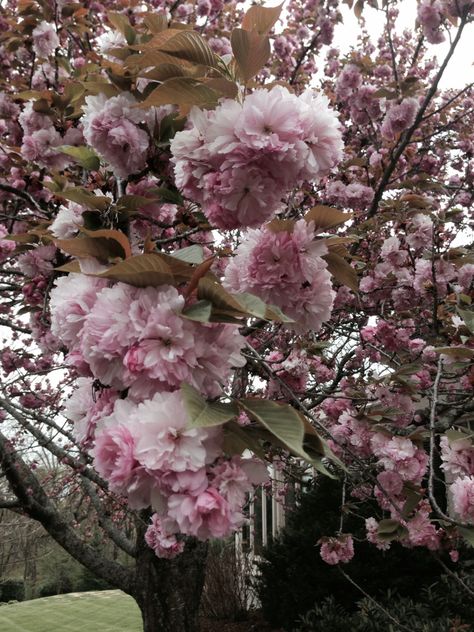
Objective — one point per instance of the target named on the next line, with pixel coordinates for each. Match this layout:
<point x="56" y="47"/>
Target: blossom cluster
<point x="134" y="338"/>
<point x="41" y="139"/>
<point x="240" y="160"/>
<point x="111" y="127"/>
<point x="285" y="268"/>
<point x="139" y="348"/>
<point x="147" y="452"/>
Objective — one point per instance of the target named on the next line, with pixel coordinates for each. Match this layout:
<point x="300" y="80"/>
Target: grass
<point x="101" y="611"/>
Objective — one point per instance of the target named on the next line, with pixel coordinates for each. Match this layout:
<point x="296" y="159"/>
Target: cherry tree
<point x="224" y="243"/>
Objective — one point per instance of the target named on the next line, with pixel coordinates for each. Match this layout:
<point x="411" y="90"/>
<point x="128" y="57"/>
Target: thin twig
<point x="299" y="404"/>
<point x="375" y="602"/>
<point x="454" y="575"/>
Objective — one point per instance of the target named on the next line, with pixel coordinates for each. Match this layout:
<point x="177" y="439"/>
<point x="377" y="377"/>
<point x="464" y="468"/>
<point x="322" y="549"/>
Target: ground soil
<point x="254" y="623"/>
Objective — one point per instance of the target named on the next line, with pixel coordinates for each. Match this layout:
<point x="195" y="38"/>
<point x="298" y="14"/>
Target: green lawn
<point x="101" y="611"/>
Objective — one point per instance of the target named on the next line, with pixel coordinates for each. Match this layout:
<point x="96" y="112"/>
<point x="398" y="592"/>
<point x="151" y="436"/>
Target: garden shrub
<point x="293" y="577"/>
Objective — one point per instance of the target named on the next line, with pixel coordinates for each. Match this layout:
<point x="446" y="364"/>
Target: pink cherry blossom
<point x="239" y="161"/>
<point x="71" y="301"/>
<point x="285" y="269"/>
<point x="68" y="221"/>
<point x="114" y="456"/>
<point x="164" y="442"/>
<point x="86" y="408"/>
<point x="111" y="128"/>
<point x="399" y="118"/>
<point x="337" y="550"/>
<point x="204" y="516"/>
<point x="165" y="545"/>
<point x="236" y="477"/>
<point x="457" y="456"/>
<point x="6" y="245"/>
<point x="45" y="39"/>
<point x="135" y="337"/>
<point x="372" y="527"/>
<point x="40" y="147"/>
<point x="462" y="492"/>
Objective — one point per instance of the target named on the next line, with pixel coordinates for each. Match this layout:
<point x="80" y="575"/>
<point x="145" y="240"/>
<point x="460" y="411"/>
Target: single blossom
<point x="337" y="550"/>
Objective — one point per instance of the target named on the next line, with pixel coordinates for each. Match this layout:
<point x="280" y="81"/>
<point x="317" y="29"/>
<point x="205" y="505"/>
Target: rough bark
<point x="168" y="592"/>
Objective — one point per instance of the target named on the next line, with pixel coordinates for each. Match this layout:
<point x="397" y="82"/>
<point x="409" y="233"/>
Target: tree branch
<point x="399" y="625"/>
<point x="57" y="451"/>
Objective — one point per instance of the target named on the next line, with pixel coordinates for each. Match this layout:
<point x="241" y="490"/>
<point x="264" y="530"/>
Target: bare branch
<point x="107" y="525"/>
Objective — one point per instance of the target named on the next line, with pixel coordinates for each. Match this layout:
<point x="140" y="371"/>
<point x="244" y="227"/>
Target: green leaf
<point x="141" y="271"/>
<point x="85" y="156"/>
<point x="325" y="217"/>
<point x="358" y="8"/>
<point x="457" y="435"/>
<point x="100" y="87"/>
<point x="468" y="318"/>
<point x="254" y="306"/>
<point x="190" y="254"/>
<point x="236" y="305"/>
<point x="200" y="312"/>
<point x="156" y="22"/>
<point x="101" y="244"/>
<point x="467" y="534"/>
<point x="170" y="196"/>
<point x="388" y="530"/>
<point x="238" y="438"/>
<point x="122" y="24"/>
<point x="261" y="19"/>
<point x="213" y="291"/>
<point x="285" y="424"/>
<point x="86" y="198"/>
<point x="342" y="271"/>
<point x="412" y="500"/>
<point x="190" y="46"/>
<point x="134" y="202"/>
<point x="456" y="352"/>
<point x="203" y="414"/>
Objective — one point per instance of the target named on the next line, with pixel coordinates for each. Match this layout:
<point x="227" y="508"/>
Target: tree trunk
<point x="168" y="592"/>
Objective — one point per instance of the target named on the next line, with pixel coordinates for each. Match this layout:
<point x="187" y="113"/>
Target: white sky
<point x="461" y="66"/>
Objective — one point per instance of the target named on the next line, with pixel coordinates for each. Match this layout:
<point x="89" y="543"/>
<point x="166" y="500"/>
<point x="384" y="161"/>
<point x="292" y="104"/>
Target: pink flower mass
<point x="178" y="469"/>
<point x="111" y="128"/>
<point x="337" y="550"/>
<point x="285" y="268"/>
<point x="240" y="161"/>
<point x="135" y="338"/>
<point x="45" y="39"/>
